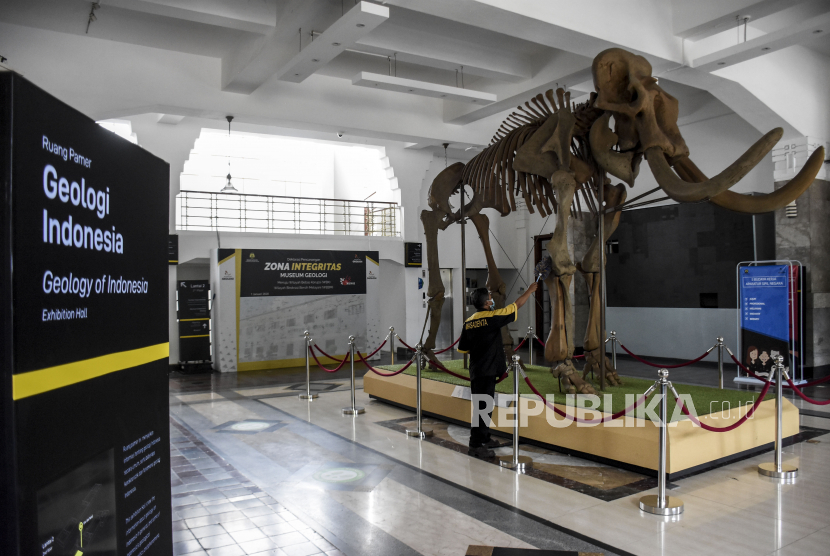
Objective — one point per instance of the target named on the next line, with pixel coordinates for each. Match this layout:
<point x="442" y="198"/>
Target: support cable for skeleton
<point x="518" y="273"/>
<point x="604" y="419"/>
<point x="545" y="223"/>
<point x="663" y="366"/>
<point x="734" y="425"/>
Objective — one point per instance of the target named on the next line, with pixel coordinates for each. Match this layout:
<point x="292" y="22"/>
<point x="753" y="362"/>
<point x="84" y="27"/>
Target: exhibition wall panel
<point x="267" y="298"/>
<point x="84" y="359"/>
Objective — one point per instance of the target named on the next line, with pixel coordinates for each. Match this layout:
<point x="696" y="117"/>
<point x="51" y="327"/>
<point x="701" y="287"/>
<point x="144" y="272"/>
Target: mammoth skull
<point x="645" y="124"/>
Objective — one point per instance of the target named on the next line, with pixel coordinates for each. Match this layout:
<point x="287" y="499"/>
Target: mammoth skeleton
<point x="552" y="153"/>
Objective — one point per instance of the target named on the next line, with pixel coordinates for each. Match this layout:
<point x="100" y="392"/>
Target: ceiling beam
<point x="254" y="17"/>
<point x="424" y="48"/>
<point x="342" y="34"/>
<point x="753" y="48"/>
<point x="693" y="23"/>
<point x="422" y="88"/>
<point x="256" y="61"/>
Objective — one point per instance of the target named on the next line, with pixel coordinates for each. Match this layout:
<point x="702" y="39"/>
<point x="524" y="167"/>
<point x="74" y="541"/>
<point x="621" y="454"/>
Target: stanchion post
<point x="308" y="395"/>
<point x="353" y="410"/>
<point x="515" y="461"/>
<point x="420" y="431"/>
<point x="392" y="343"/>
<point x="720" y="361"/>
<point x="614" y="349"/>
<point x="777" y="469"/>
<point x="660" y="504"/>
<point x="530" y="337"/>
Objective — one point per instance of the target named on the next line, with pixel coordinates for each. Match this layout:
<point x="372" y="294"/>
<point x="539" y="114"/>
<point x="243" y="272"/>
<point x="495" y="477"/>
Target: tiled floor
<point x="218" y="511"/>
<point x="365" y="488"/>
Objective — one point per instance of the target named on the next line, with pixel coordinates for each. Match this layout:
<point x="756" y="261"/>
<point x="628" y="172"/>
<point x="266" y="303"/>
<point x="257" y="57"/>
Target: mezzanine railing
<point x="237" y="212"/>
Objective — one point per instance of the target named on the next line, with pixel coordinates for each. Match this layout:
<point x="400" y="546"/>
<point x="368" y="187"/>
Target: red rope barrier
<point x="520" y="345"/>
<point x="407" y="346"/>
<point x="374" y="370"/>
<point x="340" y="366"/>
<point x="572" y="418"/>
<point x="734" y="425"/>
<point x="315" y="346"/>
<point x="541" y="343"/>
<point x="664" y="366"/>
<point x="805" y="398"/>
<point x="377" y="350"/>
<point x="448" y="348"/>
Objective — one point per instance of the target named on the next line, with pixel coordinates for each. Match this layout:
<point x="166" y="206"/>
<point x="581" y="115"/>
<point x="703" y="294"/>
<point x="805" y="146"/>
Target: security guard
<point x="481" y="338"/>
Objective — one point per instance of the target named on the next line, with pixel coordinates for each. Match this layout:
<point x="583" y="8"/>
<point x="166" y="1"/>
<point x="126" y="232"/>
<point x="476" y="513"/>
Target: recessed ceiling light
<point x="315" y="60"/>
<point x="474" y="100"/>
<point x="335" y="44"/>
<point x="410" y="90"/>
<point x="721" y="63"/>
<point x="817" y="31"/>
<point x="442" y="96"/>
<point x="360" y="25"/>
<point x="296" y="75"/>
<point x="765" y="48"/>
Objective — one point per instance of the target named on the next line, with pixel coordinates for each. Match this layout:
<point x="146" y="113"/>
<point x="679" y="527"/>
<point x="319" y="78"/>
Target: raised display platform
<point x="690" y="448"/>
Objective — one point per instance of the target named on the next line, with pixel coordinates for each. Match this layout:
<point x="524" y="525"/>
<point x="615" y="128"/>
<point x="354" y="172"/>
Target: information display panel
<point x="765" y="316"/>
<point x="88" y="429"/>
<point x="194" y="320"/>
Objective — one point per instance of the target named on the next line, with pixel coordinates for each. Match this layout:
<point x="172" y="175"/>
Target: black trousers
<point x="479" y="430"/>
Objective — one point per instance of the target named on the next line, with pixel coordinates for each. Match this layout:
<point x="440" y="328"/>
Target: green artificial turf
<point x="703" y="397"/>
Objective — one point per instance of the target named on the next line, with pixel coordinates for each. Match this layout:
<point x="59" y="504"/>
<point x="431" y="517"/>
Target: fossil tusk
<point x="602" y="140"/>
<point x="690" y="192"/>
<point x="757" y="204"/>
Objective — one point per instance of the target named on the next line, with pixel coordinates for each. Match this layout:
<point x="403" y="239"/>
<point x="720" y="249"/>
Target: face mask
<point x="492" y="305"/>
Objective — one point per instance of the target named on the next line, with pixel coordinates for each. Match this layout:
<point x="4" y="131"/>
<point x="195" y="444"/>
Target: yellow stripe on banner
<point x="188" y="320"/>
<point x="197" y="336"/>
<point x="33" y="383"/>
<point x="227" y="258"/>
<point x="371" y="259"/>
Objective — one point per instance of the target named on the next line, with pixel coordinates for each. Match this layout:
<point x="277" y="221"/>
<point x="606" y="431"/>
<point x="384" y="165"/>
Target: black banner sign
<point x="287" y="272"/>
<point x="89" y="431"/>
<point x="172" y="249"/>
<point x="194" y="320"/>
<point x="412" y="254"/>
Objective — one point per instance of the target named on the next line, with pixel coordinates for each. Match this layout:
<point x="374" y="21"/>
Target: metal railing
<point x="239" y="212"/>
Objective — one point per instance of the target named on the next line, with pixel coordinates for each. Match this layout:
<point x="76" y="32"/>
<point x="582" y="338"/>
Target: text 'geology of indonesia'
<point x="85" y="227"/>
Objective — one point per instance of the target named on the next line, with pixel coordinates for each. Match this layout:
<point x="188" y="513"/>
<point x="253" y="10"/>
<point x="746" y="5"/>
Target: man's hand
<point x="526" y="295"/>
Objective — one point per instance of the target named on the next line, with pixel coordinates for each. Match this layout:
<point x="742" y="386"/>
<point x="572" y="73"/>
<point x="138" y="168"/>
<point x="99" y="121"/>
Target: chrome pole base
<point x="787" y="471"/>
<point x="309" y="396"/>
<point x="674" y="505"/>
<point x="353" y="410"/>
<point x="524" y="462"/>
<point x="423" y="433"/>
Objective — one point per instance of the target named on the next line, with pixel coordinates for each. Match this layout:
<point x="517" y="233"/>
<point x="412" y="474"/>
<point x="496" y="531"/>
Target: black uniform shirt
<point x="481" y="338"/>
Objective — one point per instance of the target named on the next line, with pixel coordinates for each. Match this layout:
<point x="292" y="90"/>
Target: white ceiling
<point x="510" y="48"/>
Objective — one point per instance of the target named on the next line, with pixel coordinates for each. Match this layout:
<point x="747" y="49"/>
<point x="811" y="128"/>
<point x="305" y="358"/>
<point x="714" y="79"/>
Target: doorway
<point x="445" y="336"/>
<point x="543" y="310"/>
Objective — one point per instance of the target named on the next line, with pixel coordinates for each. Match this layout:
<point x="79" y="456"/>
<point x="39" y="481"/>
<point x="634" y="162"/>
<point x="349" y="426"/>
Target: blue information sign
<point x="765" y="318"/>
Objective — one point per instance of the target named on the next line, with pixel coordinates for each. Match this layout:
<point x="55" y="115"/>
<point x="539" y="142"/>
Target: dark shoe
<point x="495" y="443"/>
<point x="481" y="453"/>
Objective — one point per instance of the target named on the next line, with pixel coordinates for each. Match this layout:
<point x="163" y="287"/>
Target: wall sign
<point x="412" y="254"/>
<point x="85" y="420"/>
